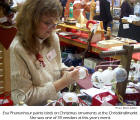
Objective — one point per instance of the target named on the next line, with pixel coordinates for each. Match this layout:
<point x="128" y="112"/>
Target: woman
<point x="127" y="8"/>
<point x="105" y="14"/>
<point x="63" y="3"/>
<point x="36" y="66"/>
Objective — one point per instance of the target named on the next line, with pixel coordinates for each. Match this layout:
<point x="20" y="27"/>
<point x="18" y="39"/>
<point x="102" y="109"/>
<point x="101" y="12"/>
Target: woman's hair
<point x="28" y="18"/>
<point x="129" y="2"/>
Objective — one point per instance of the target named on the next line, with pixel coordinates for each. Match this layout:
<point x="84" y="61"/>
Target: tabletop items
<point x="5" y="98"/>
<point x="67" y="99"/>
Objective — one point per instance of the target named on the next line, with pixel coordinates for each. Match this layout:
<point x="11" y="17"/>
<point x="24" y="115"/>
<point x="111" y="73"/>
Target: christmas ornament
<point x="108" y="76"/>
<point x="82" y="73"/>
<point x="96" y="78"/>
<point x="137" y="72"/>
<point x="120" y="74"/>
<point x="132" y="72"/>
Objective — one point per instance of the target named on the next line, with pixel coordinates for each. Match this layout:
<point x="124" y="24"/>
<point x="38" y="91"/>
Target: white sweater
<point x="36" y="82"/>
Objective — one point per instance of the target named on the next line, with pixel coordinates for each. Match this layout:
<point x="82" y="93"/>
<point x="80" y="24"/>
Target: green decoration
<point x="71" y="10"/>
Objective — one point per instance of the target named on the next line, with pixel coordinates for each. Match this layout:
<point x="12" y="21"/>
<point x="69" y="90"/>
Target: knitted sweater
<point x="27" y="75"/>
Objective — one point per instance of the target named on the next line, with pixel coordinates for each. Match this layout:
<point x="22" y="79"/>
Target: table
<point x="82" y="44"/>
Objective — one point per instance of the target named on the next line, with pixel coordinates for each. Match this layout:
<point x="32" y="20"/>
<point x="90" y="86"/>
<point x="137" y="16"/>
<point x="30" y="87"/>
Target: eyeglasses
<point x="51" y="25"/>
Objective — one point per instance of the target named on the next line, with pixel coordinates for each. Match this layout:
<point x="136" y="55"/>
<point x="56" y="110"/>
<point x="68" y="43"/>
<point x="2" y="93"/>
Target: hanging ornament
<point x="96" y="78"/>
<point x="137" y="86"/>
<point x="82" y="73"/>
<point x="132" y="72"/>
<point x="137" y="72"/>
<point x="120" y="74"/>
<point x="108" y="76"/>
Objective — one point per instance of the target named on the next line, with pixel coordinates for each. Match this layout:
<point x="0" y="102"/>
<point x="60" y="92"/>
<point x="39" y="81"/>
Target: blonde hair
<point x="29" y="17"/>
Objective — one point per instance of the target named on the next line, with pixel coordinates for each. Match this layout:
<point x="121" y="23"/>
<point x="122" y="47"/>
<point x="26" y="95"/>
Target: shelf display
<point x="109" y="43"/>
<point x="81" y="19"/>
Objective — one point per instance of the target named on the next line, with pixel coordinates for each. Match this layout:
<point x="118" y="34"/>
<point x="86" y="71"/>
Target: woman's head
<point x="37" y="18"/>
<point x="131" y="1"/>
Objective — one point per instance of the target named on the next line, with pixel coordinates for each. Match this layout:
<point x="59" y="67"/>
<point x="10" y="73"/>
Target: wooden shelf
<point x="63" y="26"/>
<point x="80" y="44"/>
<point x="5" y="83"/>
<point x="72" y="42"/>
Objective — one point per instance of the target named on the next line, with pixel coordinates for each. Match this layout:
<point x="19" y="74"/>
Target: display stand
<point x="5" y="83"/>
<point x="80" y="44"/>
<point x="126" y="56"/>
<point x="7" y="33"/>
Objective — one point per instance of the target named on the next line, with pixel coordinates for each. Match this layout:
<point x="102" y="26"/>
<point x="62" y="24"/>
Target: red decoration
<point x="90" y="21"/>
<point x="80" y="103"/>
<point x="96" y="102"/>
<point x="5" y="99"/>
<point x="39" y="57"/>
<point x="7" y="35"/>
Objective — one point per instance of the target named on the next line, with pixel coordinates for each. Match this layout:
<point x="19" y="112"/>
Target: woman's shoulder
<point x="55" y="40"/>
<point x="55" y="37"/>
<point x="16" y="46"/>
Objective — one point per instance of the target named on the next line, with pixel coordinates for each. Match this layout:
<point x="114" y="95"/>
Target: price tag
<point x="125" y="26"/>
<point x="51" y="55"/>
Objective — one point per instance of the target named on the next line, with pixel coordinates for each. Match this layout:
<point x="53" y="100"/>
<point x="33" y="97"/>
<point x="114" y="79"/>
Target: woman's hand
<point x="70" y="76"/>
<point x="71" y="68"/>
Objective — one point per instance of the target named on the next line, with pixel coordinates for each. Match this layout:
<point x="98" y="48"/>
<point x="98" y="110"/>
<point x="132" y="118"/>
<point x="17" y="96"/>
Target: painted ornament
<point x="96" y="76"/>
<point x="96" y="79"/>
<point x="82" y="73"/>
<point x="120" y="74"/>
<point x="108" y="76"/>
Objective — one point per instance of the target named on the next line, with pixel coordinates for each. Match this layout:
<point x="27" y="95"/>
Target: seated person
<point x="36" y="65"/>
